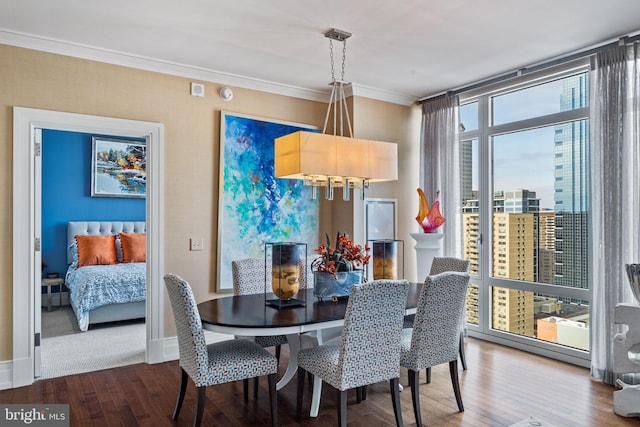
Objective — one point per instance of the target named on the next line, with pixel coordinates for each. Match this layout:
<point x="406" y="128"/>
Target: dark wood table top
<point x="238" y="314"/>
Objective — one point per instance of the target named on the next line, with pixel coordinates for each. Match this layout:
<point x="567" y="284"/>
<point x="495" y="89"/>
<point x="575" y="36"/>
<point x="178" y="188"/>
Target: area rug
<point x="75" y="352"/>
<point x="531" y="422"/>
<point x="59" y="321"/>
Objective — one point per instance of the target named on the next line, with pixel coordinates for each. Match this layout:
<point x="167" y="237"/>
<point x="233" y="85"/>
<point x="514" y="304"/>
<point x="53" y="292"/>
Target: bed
<point x="106" y="293"/>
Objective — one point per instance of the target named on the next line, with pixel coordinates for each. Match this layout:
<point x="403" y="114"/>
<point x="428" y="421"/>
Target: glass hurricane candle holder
<point x="288" y="261"/>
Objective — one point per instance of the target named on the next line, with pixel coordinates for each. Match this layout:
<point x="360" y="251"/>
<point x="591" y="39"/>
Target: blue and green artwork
<point x="255" y="206"/>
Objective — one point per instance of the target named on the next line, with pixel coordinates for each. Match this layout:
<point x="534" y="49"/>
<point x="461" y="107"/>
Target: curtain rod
<point x="532" y="68"/>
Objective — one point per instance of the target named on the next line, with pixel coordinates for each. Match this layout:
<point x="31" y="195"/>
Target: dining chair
<point x="216" y="363"/>
<point x="371" y="334"/>
<point x="434" y="338"/>
<point x="440" y="265"/>
<point x="248" y="275"/>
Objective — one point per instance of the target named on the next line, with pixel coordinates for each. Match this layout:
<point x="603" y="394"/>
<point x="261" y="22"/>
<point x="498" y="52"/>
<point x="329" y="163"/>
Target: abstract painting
<point x="255" y="207"/>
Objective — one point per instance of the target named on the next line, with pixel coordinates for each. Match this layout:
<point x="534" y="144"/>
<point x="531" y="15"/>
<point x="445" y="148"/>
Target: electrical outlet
<point x="196" y="244"/>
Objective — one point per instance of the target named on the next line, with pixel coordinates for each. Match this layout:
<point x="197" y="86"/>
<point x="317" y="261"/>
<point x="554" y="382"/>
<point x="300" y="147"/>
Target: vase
<point x="633" y="273"/>
<point x="428" y="246"/>
<point x="385" y="259"/>
<point x="325" y="285"/>
<point x="285" y="280"/>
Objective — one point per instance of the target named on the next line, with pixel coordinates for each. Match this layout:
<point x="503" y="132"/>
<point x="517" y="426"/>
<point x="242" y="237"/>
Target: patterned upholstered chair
<point x="440" y="265"/>
<point x="216" y="363"/>
<point x="365" y="354"/>
<point x="434" y="338"/>
<point x="249" y="278"/>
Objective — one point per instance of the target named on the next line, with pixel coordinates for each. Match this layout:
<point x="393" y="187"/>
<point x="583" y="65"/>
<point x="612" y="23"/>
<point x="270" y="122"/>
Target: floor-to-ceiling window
<point x="524" y="173"/>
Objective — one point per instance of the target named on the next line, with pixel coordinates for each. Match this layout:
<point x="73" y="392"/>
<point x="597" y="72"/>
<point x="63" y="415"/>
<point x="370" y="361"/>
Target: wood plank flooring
<point x="501" y="387"/>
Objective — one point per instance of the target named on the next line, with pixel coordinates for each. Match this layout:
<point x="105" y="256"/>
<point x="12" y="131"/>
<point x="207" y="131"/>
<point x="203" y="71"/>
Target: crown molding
<point x="76" y="50"/>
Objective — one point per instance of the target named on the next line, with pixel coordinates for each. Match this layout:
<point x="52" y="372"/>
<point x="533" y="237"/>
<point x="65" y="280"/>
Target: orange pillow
<point x="134" y="247"/>
<point x="96" y="250"/>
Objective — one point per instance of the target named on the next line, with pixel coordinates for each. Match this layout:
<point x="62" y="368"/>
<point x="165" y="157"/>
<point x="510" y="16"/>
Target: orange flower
<point x="346" y="256"/>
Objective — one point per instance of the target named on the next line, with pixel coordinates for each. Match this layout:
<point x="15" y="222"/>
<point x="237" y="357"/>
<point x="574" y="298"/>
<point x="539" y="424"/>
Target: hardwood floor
<point x="501" y="387"/>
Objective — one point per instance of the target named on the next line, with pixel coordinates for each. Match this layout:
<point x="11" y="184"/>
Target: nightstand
<point x="49" y="282"/>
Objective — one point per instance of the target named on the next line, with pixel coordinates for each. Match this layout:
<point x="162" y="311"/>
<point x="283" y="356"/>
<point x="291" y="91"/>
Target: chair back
<point x="249" y="276"/>
<point x="371" y="335"/>
<point x="442" y="264"/>
<point x="191" y="341"/>
<point x="439" y="316"/>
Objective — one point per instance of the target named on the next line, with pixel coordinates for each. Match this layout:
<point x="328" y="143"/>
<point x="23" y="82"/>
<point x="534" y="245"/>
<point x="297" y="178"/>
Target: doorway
<point x="68" y="168"/>
<point x="26" y="227"/>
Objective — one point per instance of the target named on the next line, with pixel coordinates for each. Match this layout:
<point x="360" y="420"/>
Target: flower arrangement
<point x="347" y="256"/>
<point x="429" y="219"/>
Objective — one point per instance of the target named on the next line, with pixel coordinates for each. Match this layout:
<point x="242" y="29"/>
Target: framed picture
<point x="254" y="207"/>
<point x="118" y="168"/>
<point x="380" y="219"/>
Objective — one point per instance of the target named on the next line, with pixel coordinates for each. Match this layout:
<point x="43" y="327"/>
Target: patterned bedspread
<point x="98" y="285"/>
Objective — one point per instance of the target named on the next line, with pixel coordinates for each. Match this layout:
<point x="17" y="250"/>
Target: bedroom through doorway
<point x="65" y="348"/>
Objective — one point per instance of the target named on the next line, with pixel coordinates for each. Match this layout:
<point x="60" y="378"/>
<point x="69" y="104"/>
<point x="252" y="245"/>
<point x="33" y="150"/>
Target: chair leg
<point x="273" y="399"/>
<point x="414" y="381"/>
<point x="183" y="388"/>
<point x="342" y="408"/>
<point x="255" y="387"/>
<point x="463" y="357"/>
<point x="300" y="392"/>
<point x="453" y="370"/>
<point x="245" y="389"/>
<point x="361" y="393"/>
<point x="395" y="399"/>
<point x="202" y="396"/>
<point x="278" y="349"/>
<point x="428" y="372"/>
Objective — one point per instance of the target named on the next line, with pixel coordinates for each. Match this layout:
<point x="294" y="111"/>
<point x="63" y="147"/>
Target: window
<point x="524" y="172"/>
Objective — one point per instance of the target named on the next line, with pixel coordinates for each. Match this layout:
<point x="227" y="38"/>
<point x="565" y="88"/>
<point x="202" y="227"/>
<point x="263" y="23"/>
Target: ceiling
<point x="400" y="51"/>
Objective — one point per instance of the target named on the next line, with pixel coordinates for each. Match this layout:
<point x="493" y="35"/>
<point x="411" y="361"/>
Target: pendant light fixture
<point x="334" y="159"/>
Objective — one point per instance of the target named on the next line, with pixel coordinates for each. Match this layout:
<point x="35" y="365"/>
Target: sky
<point x="522" y="160"/>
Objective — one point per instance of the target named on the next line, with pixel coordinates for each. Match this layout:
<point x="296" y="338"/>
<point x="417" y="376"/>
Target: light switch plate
<point x="196" y="244"/>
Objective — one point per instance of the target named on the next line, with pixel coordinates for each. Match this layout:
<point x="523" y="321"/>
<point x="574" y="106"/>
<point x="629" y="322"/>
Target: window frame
<point x="484" y="134"/>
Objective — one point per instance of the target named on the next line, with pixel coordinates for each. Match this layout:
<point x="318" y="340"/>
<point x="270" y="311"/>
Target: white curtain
<point x="615" y="195"/>
<point x="440" y="167"/>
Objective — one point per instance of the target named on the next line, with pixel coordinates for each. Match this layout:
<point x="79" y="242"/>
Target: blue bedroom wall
<point x="66" y="194"/>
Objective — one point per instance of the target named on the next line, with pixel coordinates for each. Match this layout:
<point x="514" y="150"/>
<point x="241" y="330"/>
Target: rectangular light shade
<point x="302" y="154"/>
<point x="383" y="161"/>
<point x="353" y="157"/>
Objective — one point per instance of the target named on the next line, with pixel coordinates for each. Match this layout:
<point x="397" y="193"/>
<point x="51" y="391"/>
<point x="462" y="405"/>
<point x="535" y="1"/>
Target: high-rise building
<point x="571" y="201"/>
<point x="546" y="243"/>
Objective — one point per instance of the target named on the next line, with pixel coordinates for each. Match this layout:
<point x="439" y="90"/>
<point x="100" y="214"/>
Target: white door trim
<point x="25" y="121"/>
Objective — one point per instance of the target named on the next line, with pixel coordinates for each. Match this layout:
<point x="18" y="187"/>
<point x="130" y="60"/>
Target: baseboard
<point x="166" y="349"/>
<point x="6" y="375"/>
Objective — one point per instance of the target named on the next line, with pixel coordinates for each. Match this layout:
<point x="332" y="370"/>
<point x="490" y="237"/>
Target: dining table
<point x="305" y="322"/>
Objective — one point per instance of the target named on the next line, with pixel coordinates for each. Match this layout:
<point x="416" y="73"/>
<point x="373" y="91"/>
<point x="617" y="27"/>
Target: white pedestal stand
<point x="626" y="351"/>
<point x="428" y="246"/>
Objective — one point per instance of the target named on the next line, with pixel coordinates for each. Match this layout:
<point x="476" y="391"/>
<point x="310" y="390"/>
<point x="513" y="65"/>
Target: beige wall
<point x="192" y="125"/>
<point x="394" y="123"/>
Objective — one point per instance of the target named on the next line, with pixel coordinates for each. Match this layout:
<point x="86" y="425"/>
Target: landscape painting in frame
<point x="255" y="207"/>
<point x="118" y="168"/>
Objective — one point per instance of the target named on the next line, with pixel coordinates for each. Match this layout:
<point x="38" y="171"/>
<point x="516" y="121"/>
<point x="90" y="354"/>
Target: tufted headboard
<point x="100" y="228"/>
